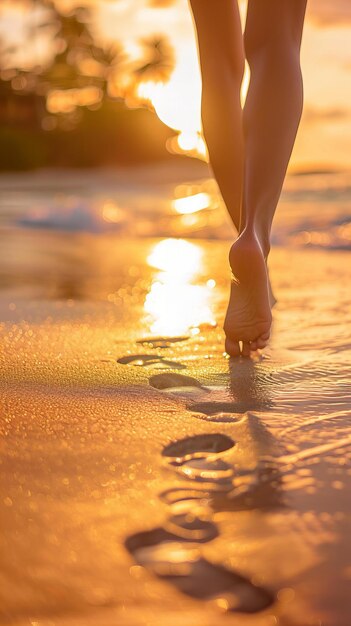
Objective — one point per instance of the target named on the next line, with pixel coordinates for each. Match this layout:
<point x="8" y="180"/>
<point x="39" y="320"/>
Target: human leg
<point x="271" y="118"/>
<point x="221" y="54"/>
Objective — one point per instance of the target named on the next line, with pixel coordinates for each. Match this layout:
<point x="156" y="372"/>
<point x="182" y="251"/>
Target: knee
<point x="223" y="70"/>
<point x="275" y="47"/>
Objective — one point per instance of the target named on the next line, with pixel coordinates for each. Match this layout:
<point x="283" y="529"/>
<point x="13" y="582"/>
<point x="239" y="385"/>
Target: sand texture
<point x="145" y="478"/>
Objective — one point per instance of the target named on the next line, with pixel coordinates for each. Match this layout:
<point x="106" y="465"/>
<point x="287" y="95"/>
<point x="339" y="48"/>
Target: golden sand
<point x="146" y="478"/>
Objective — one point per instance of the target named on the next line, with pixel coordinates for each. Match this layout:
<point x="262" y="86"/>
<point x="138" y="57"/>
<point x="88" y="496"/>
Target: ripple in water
<point x="203" y="470"/>
<point x="182" y="494"/>
<point x="191" y="527"/>
<point x="195" y="447"/>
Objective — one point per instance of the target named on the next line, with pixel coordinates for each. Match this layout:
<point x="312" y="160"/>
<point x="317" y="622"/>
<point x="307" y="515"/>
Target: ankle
<point x="260" y="235"/>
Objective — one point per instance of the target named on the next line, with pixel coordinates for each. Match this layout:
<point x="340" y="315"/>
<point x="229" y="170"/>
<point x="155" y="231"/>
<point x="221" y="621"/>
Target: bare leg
<point x="271" y="118"/>
<point x="221" y="53"/>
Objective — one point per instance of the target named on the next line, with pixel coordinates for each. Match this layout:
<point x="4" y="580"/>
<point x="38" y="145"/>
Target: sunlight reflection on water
<point x="174" y="303"/>
<point x="192" y="204"/>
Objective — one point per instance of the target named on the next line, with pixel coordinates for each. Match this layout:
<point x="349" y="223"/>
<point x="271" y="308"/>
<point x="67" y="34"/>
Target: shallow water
<point x="179" y="199"/>
<point x="147" y="479"/>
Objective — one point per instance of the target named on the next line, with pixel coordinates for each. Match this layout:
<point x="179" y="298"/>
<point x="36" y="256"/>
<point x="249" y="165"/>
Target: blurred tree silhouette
<point x="159" y="59"/>
<point x="82" y="72"/>
<point x="82" y="86"/>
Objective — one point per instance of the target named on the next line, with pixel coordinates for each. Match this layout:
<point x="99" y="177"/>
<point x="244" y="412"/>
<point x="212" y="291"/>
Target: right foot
<point x="249" y="318"/>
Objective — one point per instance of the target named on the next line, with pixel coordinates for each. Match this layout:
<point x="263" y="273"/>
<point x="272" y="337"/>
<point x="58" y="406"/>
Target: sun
<point x="177" y="103"/>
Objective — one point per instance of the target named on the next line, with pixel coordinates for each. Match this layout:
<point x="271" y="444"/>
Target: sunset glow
<point x="178" y="102"/>
<point x="324" y="136"/>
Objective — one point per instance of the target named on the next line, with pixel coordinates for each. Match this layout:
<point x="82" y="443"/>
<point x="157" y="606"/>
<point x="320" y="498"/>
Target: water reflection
<point x="174" y="302"/>
<point x="192" y="204"/>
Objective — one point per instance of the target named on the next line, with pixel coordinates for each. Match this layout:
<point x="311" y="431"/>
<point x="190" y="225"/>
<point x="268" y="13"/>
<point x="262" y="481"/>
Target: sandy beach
<point x="148" y="479"/>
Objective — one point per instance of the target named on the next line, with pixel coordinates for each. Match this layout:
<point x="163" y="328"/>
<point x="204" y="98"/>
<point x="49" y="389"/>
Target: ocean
<point x="171" y="200"/>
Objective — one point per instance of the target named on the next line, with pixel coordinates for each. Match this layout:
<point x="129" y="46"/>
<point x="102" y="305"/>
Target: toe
<point x="232" y="347"/>
<point x="253" y="346"/>
<point x="246" y="348"/>
<point x="262" y="341"/>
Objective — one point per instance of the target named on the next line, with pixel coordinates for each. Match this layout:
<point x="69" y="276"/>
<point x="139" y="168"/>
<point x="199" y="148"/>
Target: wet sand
<point x="146" y="478"/>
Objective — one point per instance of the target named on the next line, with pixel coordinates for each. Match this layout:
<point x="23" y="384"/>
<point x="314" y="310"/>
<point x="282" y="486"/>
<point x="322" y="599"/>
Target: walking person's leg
<point x="221" y="52"/>
<point x="273" y="105"/>
<point x="271" y="117"/>
<point x="260" y="144"/>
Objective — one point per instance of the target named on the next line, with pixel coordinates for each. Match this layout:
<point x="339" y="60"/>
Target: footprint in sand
<point x="196" y="458"/>
<point x="226" y="490"/>
<point x="200" y="459"/>
<point x="244" y="491"/>
<point x="161" y="342"/>
<point x="172" y="553"/>
<point x="172" y="559"/>
<point x="150" y="360"/>
<point x="178" y="528"/>
<point x="215" y="411"/>
<point x="198" y="446"/>
<point x="176" y="383"/>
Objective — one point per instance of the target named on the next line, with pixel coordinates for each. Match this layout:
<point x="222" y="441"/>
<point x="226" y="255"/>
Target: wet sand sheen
<point x="218" y="486"/>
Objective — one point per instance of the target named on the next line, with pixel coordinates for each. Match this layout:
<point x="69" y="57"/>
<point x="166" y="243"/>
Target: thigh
<point x="219" y="31"/>
<point x="273" y="21"/>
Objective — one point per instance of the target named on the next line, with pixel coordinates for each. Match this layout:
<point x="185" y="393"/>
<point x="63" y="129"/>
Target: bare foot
<point x="249" y="316"/>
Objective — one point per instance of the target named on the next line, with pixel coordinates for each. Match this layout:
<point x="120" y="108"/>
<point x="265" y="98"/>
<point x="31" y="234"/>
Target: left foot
<point x="249" y="318"/>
